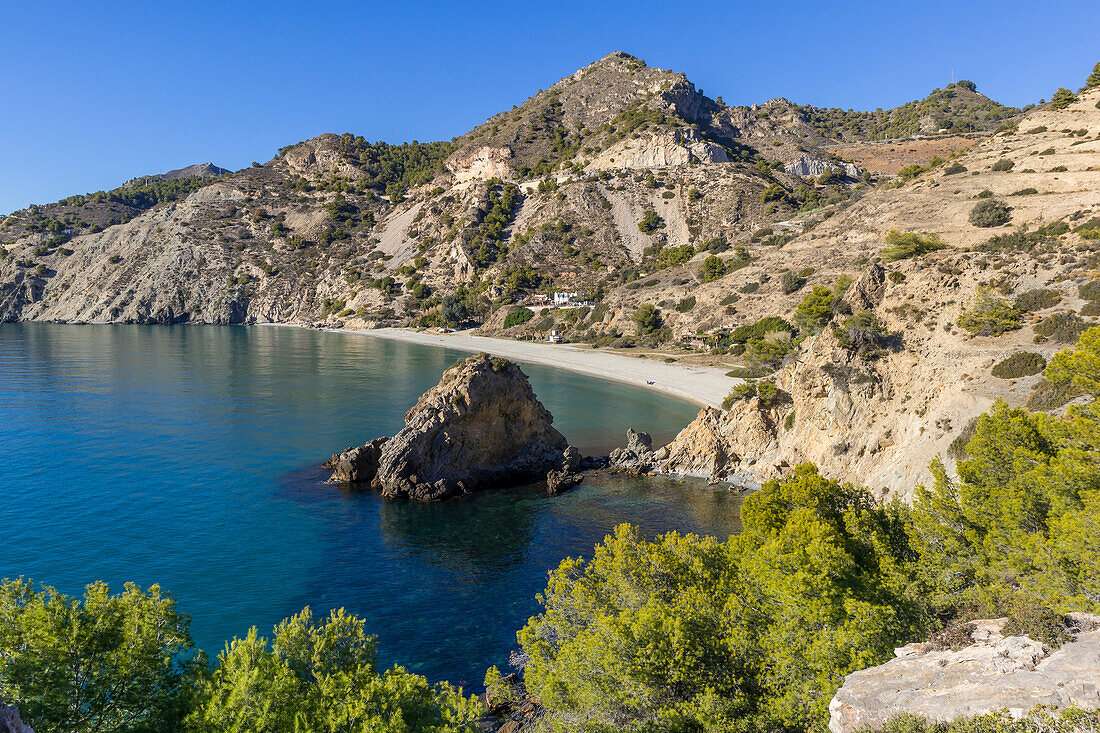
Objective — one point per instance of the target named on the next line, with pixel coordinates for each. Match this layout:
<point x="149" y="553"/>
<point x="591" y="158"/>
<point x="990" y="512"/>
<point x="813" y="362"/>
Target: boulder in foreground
<point x="481" y="426"/>
<point x="992" y="672"/>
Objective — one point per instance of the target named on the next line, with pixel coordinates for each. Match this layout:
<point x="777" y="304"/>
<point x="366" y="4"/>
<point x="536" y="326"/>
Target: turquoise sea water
<point x="189" y="457"/>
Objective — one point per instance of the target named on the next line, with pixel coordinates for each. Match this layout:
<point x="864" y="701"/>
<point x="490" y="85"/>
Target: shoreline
<point x="701" y="386"/>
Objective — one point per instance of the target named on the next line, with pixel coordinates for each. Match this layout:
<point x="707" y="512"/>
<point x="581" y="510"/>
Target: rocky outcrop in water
<point x="636" y="457"/>
<point x="10" y="722"/>
<point x="481" y="426"/>
<point x="993" y="672"/>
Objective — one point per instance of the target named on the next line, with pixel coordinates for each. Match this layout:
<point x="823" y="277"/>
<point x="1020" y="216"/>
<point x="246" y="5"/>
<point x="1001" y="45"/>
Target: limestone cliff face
<point x="480" y="426"/>
<point x="994" y="672"/>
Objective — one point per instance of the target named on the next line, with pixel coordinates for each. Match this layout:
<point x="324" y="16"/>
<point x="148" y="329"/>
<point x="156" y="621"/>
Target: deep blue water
<point x="189" y="457"/>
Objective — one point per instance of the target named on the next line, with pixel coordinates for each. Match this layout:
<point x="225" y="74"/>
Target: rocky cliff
<point x="481" y="426"/>
<point x="989" y="671"/>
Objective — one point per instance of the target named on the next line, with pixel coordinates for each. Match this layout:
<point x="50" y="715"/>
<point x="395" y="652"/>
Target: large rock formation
<point x="806" y="165"/>
<point x="10" y="722"/>
<point x="994" y="672"/>
<point x="480" y="426"/>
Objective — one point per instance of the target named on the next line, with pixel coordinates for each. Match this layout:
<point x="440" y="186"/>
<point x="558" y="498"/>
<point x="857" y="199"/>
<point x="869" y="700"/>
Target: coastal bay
<point x="190" y="457"/>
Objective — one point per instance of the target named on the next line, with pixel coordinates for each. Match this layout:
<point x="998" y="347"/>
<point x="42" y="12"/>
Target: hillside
<point x="958" y="108"/>
<point x="696" y="229"/>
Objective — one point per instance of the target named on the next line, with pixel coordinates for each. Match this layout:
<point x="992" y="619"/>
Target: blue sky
<point x="92" y="94"/>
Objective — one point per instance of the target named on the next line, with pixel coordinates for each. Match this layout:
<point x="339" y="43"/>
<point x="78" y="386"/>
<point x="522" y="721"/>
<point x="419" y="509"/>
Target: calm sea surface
<point x="189" y="457"/>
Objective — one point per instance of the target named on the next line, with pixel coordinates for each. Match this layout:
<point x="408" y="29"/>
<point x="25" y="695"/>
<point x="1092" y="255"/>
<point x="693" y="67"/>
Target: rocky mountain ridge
<point x="626" y="183"/>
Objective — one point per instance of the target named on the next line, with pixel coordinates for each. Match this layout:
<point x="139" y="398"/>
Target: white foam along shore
<point x="705" y="386"/>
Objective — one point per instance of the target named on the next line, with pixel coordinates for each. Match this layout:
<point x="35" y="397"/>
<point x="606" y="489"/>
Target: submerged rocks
<point x="481" y="426"/>
<point x="993" y="672"/>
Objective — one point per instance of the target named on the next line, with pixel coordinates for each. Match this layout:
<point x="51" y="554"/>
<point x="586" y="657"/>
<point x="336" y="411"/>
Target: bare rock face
<point x="562" y="479"/>
<point x="809" y="166"/>
<point x="636" y="457"/>
<point x="10" y="721"/>
<point x="480" y="426"/>
<point x="356" y="464"/>
<point x="995" y="672"/>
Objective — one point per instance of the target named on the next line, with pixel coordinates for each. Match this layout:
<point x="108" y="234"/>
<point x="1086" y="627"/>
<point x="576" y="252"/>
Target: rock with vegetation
<point x="481" y="426"/>
<point x="989" y="670"/>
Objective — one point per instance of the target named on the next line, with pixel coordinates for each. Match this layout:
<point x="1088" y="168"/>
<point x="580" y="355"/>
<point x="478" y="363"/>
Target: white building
<point x="564" y="298"/>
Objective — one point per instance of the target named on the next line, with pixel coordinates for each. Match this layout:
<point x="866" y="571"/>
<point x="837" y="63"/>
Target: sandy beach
<point x="700" y="385"/>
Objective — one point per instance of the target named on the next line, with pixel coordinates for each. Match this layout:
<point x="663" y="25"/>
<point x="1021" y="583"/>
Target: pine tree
<point x="1094" y="77"/>
<point x="1062" y="99"/>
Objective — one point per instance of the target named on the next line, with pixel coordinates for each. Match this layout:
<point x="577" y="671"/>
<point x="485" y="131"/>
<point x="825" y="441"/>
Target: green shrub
<point x="990" y="213"/>
<point x="810" y="581"/>
<point x="1050" y="396"/>
<point x="989" y="315"/>
<point x="1054" y="229"/>
<point x="910" y="172"/>
<point x="1090" y="290"/>
<point x="816" y="308"/>
<point x="1061" y="328"/>
<point x="904" y="245"/>
<point x="1062" y="98"/>
<point x="773" y="192"/>
<point x="518" y="317"/>
<point x="788" y="421"/>
<point x="1037" y="300"/>
<point x="791" y="282"/>
<point x="748" y="372"/>
<point x="686" y="304"/>
<point x="1025" y="192"/>
<point x="954" y="169"/>
<point x="647" y="318"/>
<point x="104" y="662"/>
<point x="862" y="331"/>
<point x="957" y="448"/>
<point x="750" y="287"/>
<point x="1038" y="622"/>
<point x="1094" y="78"/>
<point x="712" y="269"/>
<point x="651" y="222"/>
<point x="986" y="194"/>
<point x="1021" y="364"/>
<point x="1004" y="164"/>
<point x="743" y="391"/>
<point x="767" y="392"/>
<point x="322" y="675"/>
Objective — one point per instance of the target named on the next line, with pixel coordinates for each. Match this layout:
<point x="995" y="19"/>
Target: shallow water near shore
<point x="189" y="457"/>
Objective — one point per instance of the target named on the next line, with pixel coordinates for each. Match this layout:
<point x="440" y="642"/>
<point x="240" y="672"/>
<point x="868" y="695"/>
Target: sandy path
<point x="700" y="385"/>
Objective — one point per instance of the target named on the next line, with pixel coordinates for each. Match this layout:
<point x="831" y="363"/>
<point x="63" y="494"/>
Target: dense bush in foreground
<point x="125" y="663"/>
<point x="756" y="633"/>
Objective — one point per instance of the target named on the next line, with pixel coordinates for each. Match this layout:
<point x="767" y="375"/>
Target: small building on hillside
<point x="566" y="297"/>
